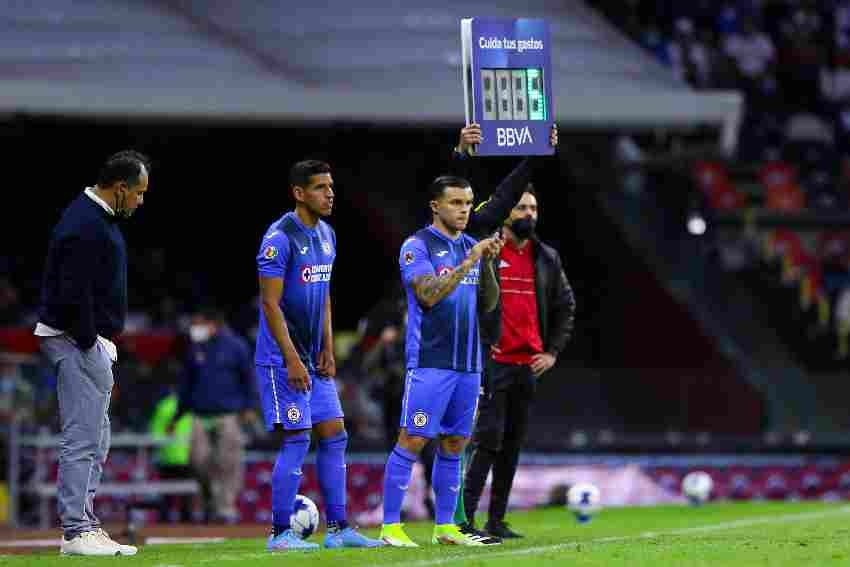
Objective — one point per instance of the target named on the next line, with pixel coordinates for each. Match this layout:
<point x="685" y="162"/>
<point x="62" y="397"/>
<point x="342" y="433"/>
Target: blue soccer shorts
<point x="296" y="410"/>
<point x="439" y="402"/>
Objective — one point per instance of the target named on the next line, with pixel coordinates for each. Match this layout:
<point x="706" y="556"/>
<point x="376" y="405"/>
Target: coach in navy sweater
<point x="83" y="306"/>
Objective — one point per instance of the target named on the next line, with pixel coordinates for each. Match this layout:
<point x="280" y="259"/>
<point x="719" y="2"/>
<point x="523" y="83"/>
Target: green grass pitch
<point x="774" y="534"/>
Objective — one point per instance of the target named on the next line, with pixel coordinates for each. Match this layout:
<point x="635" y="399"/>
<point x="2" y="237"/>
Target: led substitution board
<point x="507" y="83"/>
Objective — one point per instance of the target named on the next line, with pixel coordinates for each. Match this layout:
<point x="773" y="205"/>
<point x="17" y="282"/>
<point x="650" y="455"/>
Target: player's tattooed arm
<point x="488" y="286"/>
<point x="430" y="290"/>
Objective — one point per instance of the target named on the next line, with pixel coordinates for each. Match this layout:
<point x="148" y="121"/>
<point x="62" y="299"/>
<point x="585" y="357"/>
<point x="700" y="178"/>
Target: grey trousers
<point x="84" y="387"/>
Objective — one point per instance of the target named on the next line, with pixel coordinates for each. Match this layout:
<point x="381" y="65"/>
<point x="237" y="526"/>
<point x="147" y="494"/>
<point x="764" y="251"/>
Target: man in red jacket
<point x="536" y="320"/>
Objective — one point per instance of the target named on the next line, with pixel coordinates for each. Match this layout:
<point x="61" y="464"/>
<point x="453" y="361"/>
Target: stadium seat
<point x="785" y="198"/>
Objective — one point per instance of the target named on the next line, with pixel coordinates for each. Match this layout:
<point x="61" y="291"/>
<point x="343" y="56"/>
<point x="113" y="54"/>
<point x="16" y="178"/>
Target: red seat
<point x="777" y="174"/>
<point x="786" y="198"/>
<point x="708" y="175"/>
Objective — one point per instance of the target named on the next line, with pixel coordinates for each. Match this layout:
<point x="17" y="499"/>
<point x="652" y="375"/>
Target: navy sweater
<point x="219" y="377"/>
<point x="84" y="292"/>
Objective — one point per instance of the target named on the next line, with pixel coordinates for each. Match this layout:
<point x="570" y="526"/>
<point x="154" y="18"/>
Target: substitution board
<point x="507" y="84"/>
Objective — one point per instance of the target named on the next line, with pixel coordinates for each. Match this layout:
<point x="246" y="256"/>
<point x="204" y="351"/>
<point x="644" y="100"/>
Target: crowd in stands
<point x="785" y="195"/>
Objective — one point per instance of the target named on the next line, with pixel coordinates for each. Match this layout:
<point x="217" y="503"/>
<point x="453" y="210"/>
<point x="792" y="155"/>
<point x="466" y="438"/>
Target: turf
<point x="716" y="535"/>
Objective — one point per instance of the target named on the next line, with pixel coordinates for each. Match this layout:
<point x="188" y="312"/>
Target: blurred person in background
<point x="219" y="389"/>
<point x="11" y="310"/>
<point x="295" y="361"/>
<point x="533" y="323"/>
<point x="385" y="365"/>
<point x="173" y="458"/>
<point x="83" y="306"/>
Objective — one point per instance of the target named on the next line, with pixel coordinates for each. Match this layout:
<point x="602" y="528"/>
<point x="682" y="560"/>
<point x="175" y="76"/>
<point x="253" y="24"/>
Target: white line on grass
<point x="744" y="523"/>
<point x="195" y="540"/>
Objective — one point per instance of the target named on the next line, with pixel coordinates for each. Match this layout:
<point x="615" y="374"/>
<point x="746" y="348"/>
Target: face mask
<point x="523" y="227"/>
<point x="121" y="211"/>
<point x="199" y="333"/>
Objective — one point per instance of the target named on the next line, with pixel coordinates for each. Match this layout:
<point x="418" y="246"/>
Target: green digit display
<point x="513" y="94"/>
<point x="536" y="100"/>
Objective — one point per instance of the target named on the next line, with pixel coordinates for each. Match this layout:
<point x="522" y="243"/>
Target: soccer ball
<point x="696" y="486"/>
<point x="583" y="501"/>
<point x="305" y="517"/>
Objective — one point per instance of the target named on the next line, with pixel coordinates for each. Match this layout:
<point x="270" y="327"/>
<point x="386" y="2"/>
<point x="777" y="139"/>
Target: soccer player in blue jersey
<point x="445" y="273"/>
<point x="295" y="358"/>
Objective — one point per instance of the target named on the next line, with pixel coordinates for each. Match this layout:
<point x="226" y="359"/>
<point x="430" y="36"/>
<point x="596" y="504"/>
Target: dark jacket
<point x="489" y="215"/>
<point x="556" y="304"/>
<point x="219" y="377"/>
<point x="84" y="291"/>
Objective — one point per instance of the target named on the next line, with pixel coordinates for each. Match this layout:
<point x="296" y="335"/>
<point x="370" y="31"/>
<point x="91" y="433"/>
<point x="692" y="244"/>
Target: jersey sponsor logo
<point x="316" y="273"/>
<point x="409" y="257"/>
<point x="472" y="277"/>
<point x="441" y="253"/>
<point x="326" y="248"/>
<point x="270" y="252"/>
<point x="293" y="414"/>
<point x="420" y="419"/>
<point x="503" y="264"/>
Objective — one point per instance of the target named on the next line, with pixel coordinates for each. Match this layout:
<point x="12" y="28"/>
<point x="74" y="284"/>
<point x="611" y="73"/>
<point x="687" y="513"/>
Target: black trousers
<point x="499" y="435"/>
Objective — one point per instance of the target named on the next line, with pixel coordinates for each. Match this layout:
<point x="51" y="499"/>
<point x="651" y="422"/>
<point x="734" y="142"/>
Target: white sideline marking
<point x="148" y="541"/>
<point x="167" y="540"/>
<point x="743" y="523"/>
<point x="31" y="543"/>
<point x="241" y="556"/>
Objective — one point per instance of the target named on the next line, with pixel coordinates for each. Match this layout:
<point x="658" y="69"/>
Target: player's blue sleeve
<point x="274" y="255"/>
<point x="414" y="260"/>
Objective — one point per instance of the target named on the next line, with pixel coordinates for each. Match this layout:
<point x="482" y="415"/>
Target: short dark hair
<point x="302" y="171"/>
<point x="438" y="186"/>
<point x="123" y="166"/>
<point x="532" y="191"/>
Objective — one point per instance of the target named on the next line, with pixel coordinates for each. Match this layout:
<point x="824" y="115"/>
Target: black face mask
<point x="524" y="227"/>
<point x="121" y="210"/>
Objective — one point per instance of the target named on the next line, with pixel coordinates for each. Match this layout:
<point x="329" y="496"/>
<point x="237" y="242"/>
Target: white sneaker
<point x="109" y="542"/>
<point x="87" y="543"/>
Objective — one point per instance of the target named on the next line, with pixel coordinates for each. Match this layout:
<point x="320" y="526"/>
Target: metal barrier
<point x="45" y="490"/>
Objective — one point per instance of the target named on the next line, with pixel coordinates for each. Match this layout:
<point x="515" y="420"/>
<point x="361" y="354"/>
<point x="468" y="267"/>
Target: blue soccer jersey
<point x="446" y="335"/>
<point x="304" y="258"/>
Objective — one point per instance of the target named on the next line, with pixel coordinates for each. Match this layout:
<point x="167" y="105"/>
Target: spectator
<point x="11" y="311"/>
<point x="752" y="51"/>
<point x="689" y="56"/>
<point x="802" y="56"/>
<point x="173" y="459"/>
<point x="17" y="395"/>
<point x="842" y="322"/>
<point x="727" y="18"/>
<point x="656" y="44"/>
<point x="219" y="388"/>
<point x="385" y="363"/>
